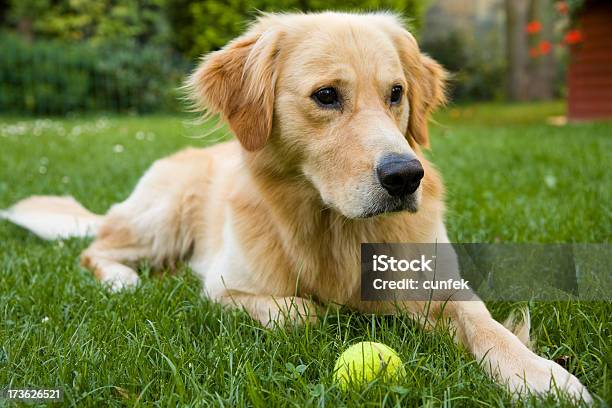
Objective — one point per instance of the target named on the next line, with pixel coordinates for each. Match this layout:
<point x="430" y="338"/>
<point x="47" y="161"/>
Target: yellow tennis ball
<point x="365" y="361"/>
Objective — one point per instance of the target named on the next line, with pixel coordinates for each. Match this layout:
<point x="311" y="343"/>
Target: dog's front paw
<point x="541" y="376"/>
<point x="118" y="277"/>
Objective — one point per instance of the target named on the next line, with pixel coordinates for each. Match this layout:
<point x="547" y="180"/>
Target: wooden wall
<point x="590" y="69"/>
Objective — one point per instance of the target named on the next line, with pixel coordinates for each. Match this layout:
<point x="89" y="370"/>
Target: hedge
<point x="51" y="77"/>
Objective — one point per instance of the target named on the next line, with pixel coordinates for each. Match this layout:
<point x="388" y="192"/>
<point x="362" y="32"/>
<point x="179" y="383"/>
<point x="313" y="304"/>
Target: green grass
<point x="510" y="178"/>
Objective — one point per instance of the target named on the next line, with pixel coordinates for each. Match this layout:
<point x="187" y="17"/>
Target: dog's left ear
<point x="238" y="83"/>
<point x="426" y="94"/>
<point x="426" y="86"/>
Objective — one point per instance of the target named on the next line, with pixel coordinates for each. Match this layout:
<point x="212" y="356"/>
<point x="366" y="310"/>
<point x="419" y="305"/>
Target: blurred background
<point x="71" y="56"/>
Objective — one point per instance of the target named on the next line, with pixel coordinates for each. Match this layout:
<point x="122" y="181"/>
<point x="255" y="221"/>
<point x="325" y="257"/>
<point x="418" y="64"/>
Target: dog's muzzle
<point x="399" y="176"/>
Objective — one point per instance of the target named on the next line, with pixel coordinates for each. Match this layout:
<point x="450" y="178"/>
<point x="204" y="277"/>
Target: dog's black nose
<point x="399" y="174"/>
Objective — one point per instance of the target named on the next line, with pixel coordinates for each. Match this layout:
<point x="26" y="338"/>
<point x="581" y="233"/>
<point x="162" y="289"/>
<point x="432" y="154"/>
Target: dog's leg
<point x="502" y="354"/>
<point x="109" y="255"/>
<point x="269" y="310"/>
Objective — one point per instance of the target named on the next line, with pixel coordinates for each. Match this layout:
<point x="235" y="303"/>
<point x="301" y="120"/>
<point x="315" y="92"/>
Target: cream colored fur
<point x="274" y="220"/>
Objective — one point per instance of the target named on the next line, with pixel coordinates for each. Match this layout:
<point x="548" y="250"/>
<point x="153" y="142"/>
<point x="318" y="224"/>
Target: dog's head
<point x="340" y="99"/>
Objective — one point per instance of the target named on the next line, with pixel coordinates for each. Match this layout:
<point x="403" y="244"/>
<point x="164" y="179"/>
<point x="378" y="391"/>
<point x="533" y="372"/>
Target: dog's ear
<point x="426" y="86"/>
<point x="426" y="93"/>
<point x="238" y="83"/>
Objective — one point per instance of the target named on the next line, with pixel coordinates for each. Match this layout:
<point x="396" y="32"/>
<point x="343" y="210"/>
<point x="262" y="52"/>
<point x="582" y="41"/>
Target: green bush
<point x="52" y="77"/>
<point x="201" y="26"/>
<point x="477" y="72"/>
<point x="97" y="21"/>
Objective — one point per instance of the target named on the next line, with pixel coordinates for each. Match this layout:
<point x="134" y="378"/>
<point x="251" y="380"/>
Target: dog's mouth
<point x="390" y="205"/>
<point x="369" y="200"/>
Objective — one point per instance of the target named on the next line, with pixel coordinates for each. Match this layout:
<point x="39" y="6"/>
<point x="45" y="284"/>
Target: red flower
<point x="533" y="27"/>
<point x="534" y="52"/>
<point x="562" y="7"/>
<point x="544" y="47"/>
<point x="573" y="37"/>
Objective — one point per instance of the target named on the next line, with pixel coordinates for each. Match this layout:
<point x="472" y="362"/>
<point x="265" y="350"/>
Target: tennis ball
<point x="365" y="361"/>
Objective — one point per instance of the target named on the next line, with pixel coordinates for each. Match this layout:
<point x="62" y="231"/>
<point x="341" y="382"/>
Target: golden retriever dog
<point x="330" y="114"/>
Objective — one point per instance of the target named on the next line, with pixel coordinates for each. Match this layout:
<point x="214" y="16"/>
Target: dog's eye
<point x="326" y="97"/>
<point x="396" y="94"/>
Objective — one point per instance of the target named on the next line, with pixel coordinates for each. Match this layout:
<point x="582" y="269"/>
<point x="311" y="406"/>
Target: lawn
<point x="510" y="177"/>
